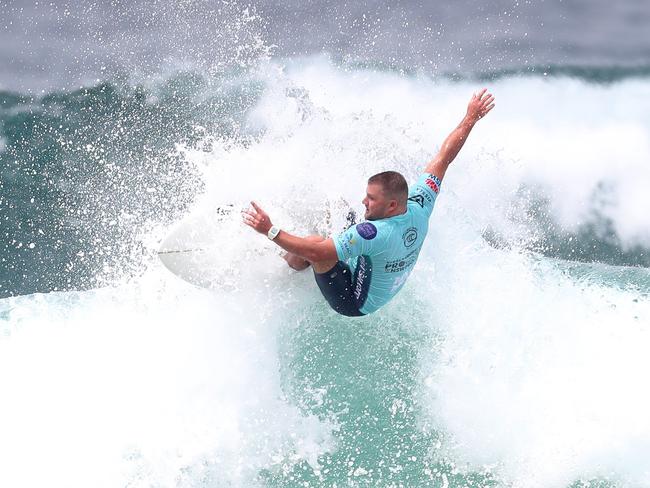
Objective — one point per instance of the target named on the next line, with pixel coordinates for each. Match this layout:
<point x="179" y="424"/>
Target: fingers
<point x="485" y="111"/>
<point x="256" y="218"/>
<point x="482" y="102"/>
<point x="248" y="217"/>
<point x="488" y="99"/>
<point x="252" y="216"/>
<point x="483" y="96"/>
<point x="256" y="213"/>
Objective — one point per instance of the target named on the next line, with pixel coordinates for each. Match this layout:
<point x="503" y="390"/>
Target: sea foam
<point x="156" y="383"/>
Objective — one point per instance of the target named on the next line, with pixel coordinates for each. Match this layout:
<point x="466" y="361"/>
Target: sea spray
<point x="540" y="374"/>
<point x="156" y="382"/>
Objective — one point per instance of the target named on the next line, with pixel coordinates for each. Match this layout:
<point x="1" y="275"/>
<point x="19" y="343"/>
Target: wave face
<point x="514" y="356"/>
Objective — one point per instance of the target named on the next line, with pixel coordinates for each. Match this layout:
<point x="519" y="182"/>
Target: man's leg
<point x="295" y="262"/>
<point x="298" y="263"/>
<point x="336" y="286"/>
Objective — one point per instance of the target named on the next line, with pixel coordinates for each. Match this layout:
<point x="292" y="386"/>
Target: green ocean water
<point x="367" y="377"/>
<point x="83" y="171"/>
<point x="92" y="179"/>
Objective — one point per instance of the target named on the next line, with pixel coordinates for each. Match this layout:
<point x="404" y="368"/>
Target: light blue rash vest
<point x="381" y="253"/>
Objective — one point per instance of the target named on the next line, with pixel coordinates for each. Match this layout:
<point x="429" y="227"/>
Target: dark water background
<point x="59" y="44"/>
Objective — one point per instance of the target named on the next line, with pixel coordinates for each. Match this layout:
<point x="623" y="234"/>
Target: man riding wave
<point x="364" y="267"/>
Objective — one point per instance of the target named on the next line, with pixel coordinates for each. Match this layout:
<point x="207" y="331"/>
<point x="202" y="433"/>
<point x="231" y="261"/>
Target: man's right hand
<point x="257" y="218"/>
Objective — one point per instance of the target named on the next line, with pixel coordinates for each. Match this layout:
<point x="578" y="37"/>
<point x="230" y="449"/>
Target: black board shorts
<point x="337" y="287"/>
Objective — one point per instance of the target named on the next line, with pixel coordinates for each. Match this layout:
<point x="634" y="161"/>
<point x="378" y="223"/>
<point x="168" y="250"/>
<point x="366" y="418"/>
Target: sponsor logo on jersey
<point x="419" y="199"/>
<point x="346" y="241"/>
<point x="422" y="192"/>
<point x="367" y="230"/>
<point x="401" y="264"/>
<point x="433" y="183"/>
<point x="410" y="236"/>
<point x="362" y="277"/>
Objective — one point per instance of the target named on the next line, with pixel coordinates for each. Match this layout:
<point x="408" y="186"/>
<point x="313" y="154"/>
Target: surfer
<point x="364" y="267"/>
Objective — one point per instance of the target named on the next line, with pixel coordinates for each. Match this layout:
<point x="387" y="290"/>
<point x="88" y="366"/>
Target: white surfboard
<point x="212" y="248"/>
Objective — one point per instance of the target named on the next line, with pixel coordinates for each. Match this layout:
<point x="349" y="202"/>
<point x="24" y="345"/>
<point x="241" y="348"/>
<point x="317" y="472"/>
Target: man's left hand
<point x="480" y="104"/>
<point x="257" y="218"/>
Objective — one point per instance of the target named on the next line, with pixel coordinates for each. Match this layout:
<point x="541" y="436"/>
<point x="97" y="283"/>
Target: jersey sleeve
<point x="358" y="240"/>
<point x="425" y="191"/>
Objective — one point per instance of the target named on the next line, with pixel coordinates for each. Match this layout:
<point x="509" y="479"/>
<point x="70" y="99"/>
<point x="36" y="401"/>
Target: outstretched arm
<point x="480" y="104"/>
<point x="307" y="249"/>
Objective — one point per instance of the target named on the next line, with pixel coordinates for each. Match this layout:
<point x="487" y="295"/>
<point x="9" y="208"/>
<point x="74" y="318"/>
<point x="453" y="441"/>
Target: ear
<point x="392" y="205"/>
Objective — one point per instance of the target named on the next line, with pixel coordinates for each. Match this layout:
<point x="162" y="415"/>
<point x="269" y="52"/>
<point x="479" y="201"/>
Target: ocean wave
<point x="496" y="365"/>
<point x="96" y="169"/>
<point x="591" y="74"/>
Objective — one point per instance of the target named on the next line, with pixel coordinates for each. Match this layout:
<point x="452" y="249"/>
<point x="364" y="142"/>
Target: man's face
<point x="376" y="203"/>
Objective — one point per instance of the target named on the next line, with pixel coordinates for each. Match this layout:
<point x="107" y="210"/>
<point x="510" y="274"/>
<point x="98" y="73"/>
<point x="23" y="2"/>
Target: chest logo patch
<point x="410" y="236"/>
<point x="367" y="230"/>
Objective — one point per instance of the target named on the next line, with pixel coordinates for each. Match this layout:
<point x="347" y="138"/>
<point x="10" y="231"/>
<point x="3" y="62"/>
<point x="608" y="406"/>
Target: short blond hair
<point x="393" y="185"/>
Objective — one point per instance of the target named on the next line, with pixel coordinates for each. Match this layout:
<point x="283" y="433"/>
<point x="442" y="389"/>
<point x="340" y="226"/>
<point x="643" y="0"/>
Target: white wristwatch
<point x="273" y="232"/>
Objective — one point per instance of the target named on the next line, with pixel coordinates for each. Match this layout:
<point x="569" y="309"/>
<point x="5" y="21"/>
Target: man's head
<point x="386" y="195"/>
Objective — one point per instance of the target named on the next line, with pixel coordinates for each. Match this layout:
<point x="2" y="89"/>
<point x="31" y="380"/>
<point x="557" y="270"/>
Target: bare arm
<point x="480" y="104"/>
<point x="307" y="249"/>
